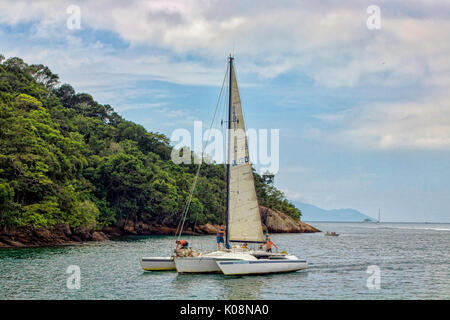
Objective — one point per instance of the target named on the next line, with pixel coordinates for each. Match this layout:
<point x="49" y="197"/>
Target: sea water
<point x="366" y="261"/>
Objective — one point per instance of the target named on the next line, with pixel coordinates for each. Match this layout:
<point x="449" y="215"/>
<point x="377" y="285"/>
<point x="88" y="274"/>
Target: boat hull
<point x="262" y="266"/>
<point x="196" y="265"/>
<point x="208" y="263"/>
<point x="157" y="263"/>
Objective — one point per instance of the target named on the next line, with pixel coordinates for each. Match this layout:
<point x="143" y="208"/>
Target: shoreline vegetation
<point x="73" y="170"/>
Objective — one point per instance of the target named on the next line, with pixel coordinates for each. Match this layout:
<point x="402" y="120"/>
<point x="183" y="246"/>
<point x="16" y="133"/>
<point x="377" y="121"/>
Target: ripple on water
<point x="413" y="260"/>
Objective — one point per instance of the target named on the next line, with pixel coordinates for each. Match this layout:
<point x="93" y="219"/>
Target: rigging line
<point x="223" y="109"/>
<point x="201" y="160"/>
<point x="214" y="121"/>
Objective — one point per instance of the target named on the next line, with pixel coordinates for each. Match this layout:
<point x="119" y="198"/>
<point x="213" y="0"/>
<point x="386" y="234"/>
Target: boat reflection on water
<point x="219" y="286"/>
<point x="242" y="288"/>
<point x="251" y="287"/>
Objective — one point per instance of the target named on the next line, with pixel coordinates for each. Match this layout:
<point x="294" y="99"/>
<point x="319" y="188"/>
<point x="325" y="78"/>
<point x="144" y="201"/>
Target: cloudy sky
<point x="364" y="114"/>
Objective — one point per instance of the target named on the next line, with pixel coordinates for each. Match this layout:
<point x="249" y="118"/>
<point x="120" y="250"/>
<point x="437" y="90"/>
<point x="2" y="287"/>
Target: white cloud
<point x="186" y="42"/>
<point x="403" y="125"/>
<point x="329" y="42"/>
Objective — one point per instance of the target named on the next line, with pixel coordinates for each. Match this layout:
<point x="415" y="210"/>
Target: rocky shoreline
<point x="273" y="221"/>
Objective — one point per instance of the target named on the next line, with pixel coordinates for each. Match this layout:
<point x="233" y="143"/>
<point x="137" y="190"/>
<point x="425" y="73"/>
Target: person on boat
<point x="269" y="244"/>
<point x="182" y="244"/>
<point x="219" y="237"/>
<point x="244" y="246"/>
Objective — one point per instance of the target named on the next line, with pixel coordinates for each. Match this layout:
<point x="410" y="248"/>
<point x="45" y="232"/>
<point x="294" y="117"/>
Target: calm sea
<point x="367" y="261"/>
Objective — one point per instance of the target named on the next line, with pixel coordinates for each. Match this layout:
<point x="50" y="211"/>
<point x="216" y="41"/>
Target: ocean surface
<point x="366" y="261"/>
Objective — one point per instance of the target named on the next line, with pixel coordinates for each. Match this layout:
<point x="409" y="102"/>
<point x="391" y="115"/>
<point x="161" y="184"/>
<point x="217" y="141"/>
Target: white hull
<point x="262" y="266"/>
<point x="157" y="263"/>
<point x="196" y="265"/>
<point x="207" y="263"/>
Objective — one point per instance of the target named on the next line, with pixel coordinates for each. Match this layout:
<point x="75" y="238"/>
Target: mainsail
<point x="244" y="220"/>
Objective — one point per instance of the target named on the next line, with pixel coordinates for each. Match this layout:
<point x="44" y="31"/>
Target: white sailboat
<point x="243" y="220"/>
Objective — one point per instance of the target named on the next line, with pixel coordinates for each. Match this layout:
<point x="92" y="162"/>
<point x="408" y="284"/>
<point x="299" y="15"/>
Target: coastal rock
<point x="142" y="228"/>
<point x="63" y="228"/>
<point x="272" y="220"/>
<point x="168" y="231"/>
<point x="12" y="243"/>
<point x="16" y="244"/>
<point x="163" y="230"/>
<point x="99" y="236"/>
<point x="76" y="238"/>
<point x="207" y="228"/>
<point x="129" y="228"/>
<point x="112" y="231"/>
<point x="45" y="236"/>
<point x="279" y="222"/>
<point x="42" y="233"/>
<point x="83" y="233"/>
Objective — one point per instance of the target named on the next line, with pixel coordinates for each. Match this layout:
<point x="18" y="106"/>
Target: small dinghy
<point x="332" y="234"/>
<point x="157" y="263"/>
<point x="262" y="266"/>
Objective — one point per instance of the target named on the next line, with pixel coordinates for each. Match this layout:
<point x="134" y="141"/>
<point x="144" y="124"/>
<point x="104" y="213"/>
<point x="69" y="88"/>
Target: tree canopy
<point x="65" y="158"/>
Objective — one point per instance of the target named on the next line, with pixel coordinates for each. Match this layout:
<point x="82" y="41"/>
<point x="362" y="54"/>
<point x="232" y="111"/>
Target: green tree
<point x="65" y="158"/>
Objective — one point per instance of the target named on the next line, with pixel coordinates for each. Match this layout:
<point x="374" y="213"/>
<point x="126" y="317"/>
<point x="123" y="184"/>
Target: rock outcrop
<point x="58" y="235"/>
<point x="279" y="222"/>
<point x="272" y="220"/>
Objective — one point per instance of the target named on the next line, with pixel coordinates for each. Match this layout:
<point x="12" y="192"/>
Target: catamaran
<point x="243" y="220"/>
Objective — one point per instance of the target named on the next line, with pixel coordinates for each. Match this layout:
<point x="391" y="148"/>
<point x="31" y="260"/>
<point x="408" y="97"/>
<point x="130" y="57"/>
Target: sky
<point x="363" y="112"/>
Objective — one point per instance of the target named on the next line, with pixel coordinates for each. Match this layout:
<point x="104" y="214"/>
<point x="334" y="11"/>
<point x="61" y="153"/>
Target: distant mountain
<point x="313" y="213"/>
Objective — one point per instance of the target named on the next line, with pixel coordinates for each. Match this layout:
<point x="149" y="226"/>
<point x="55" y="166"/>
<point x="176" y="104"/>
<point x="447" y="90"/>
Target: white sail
<point x="244" y="220"/>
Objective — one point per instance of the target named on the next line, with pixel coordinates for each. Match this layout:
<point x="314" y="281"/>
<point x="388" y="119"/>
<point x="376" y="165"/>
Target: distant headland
<point x="313" y="213"/>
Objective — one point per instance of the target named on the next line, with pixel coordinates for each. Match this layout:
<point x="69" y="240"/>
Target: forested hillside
<point x="66" y="159"/>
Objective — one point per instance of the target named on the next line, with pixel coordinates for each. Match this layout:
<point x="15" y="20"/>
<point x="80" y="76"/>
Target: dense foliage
<point x="64" y="158"/>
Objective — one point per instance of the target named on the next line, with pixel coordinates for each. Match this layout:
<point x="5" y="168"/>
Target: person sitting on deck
<point x="219" y="237"/>
<point x="269" y="244"/>
<point x="182" y="244"/>
<point x="244" y="246"/>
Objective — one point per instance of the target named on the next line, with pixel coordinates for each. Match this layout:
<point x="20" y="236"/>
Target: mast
<point x="230" y="88"/>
